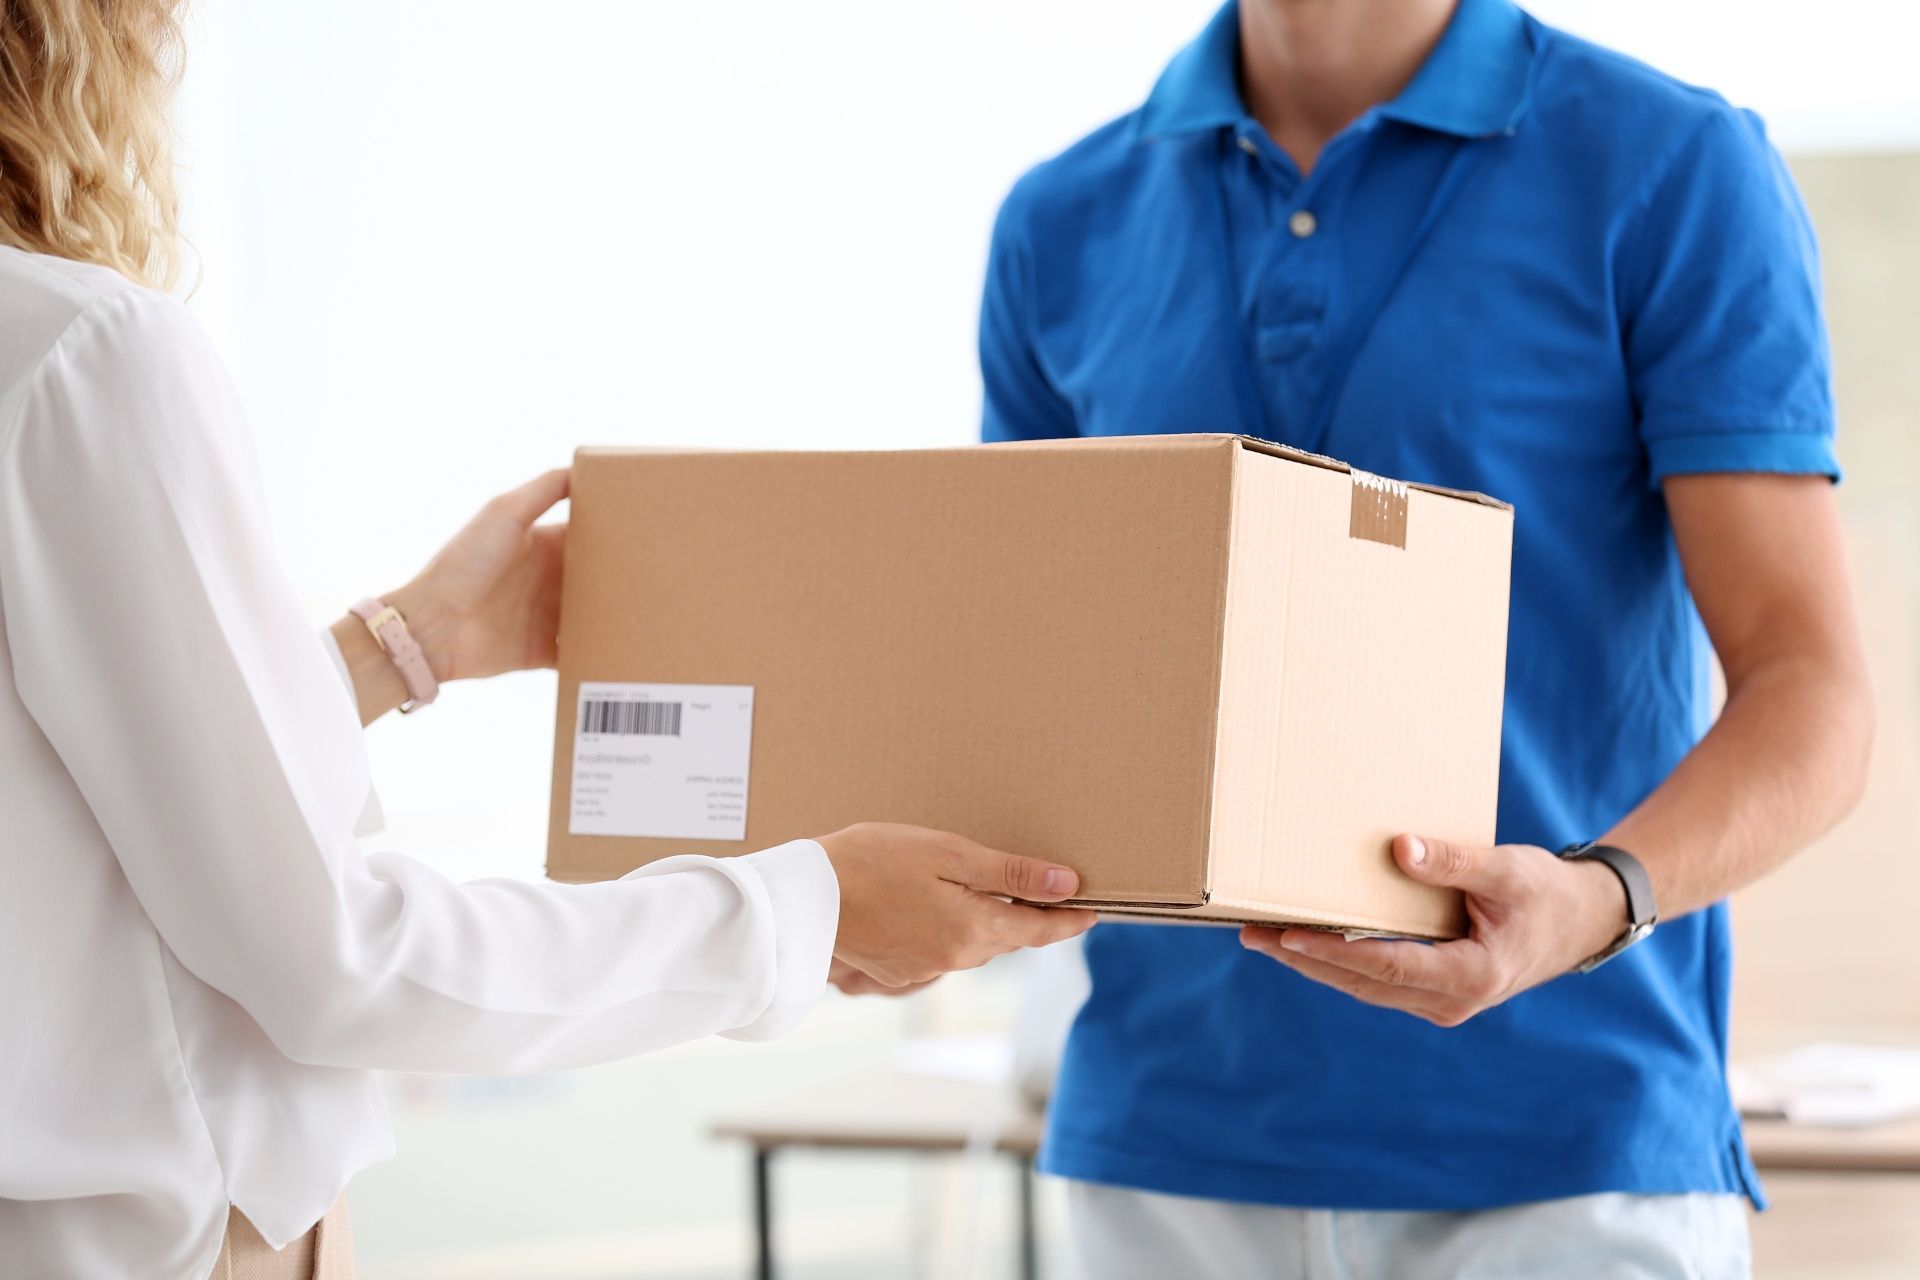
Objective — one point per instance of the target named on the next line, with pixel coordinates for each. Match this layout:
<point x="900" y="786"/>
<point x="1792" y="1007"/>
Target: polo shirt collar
<point x="1473" y="84"/>
<point x="1200" y="89"/>
<point x="1475" y="81"/>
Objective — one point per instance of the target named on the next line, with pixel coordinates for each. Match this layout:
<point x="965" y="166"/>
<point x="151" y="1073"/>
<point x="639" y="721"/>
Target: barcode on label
<point x="654" y="719"/>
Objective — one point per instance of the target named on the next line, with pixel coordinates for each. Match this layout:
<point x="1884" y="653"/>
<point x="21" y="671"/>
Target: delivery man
<point x="1444" y="242"/>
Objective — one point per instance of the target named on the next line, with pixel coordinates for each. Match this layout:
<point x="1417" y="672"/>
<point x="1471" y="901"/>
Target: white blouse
<point x="199" y="967"/>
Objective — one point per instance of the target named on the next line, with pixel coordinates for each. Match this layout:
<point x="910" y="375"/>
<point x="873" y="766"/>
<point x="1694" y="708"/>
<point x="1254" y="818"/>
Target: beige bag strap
<point x="324" y="1253"/>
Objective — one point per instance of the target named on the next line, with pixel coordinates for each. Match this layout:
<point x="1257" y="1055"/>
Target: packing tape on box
<point x="1379" y="510"/>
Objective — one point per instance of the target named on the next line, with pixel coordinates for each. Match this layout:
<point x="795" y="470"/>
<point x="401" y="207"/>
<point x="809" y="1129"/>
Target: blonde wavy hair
<point x="86" y="166"/>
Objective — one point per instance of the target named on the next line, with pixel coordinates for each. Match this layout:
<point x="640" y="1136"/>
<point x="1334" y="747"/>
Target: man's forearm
<point x="1785" y="761"/>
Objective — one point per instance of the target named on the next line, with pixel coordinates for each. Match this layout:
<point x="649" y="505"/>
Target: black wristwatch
<point x="1642" y="915"/>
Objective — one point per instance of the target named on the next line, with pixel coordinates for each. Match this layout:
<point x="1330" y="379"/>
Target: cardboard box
<point x="1214" y="675"/>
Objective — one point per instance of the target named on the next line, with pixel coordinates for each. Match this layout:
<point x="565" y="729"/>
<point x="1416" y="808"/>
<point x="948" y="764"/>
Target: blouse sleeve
<point x="162" y="653"/>
<point x="373" y="819"/>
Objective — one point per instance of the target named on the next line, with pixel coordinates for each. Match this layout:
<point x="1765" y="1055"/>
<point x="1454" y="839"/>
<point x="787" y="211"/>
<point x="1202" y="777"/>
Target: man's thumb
<point x="1457" y="866"/>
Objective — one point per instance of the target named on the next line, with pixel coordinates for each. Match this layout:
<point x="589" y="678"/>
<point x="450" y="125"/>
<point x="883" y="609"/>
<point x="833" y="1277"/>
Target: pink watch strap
<point x="390" y="632"/>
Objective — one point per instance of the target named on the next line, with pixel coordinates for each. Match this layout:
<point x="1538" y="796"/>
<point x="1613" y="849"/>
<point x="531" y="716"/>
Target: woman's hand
<point x="850" y="981"/>
<point x="915" y="904"/>
<point x="488" y="602"/>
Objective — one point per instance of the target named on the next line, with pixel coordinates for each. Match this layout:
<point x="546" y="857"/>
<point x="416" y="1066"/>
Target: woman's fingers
<point x="854" y="982"/>
<point x="916" y="903"/>
<point x="537" y="496"/>
<point x="1012" y="925"/>
<point x="1009" y="874"/>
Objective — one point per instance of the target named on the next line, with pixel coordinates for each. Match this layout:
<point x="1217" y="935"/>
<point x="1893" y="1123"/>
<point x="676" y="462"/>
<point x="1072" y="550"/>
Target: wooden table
<point x="1888" y="1148"/>
<point x="887" y="1111"/>
<point x="902" y="1111"/>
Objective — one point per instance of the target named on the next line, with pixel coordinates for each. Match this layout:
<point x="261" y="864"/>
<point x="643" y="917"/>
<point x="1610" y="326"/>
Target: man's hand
<point x="1533" y="917"/>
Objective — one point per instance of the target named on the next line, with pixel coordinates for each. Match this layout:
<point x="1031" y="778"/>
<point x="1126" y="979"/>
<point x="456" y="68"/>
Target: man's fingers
<point x="1397" y="964"/>
<point x="1456" y="970"/>
<point x="1473" y="868"/>
<point x="1422" y="1004"/>
<point x="1009" y="874"/>
<point x="537" y="496"/>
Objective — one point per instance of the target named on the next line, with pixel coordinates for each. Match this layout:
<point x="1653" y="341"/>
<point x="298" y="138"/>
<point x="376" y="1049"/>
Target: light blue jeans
<point x="1122" y="1234"/>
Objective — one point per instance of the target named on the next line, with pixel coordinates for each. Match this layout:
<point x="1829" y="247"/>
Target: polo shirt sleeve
<point x="1019" y="401"/>
<point x="1725" y="341"/>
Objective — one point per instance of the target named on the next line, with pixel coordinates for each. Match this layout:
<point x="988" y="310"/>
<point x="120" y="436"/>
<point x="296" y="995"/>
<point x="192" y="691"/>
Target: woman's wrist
<point x="378" y="685"/>
<point x="431" y="626"/>
<point x="488" y="602"/>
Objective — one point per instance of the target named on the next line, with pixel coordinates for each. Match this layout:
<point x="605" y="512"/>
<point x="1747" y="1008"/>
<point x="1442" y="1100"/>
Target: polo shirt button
<point x="1303" y="224"/>
<point x="1249" y="146"/>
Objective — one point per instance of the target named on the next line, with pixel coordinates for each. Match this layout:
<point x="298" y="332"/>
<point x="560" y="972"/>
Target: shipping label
<point x="662" y="760"/>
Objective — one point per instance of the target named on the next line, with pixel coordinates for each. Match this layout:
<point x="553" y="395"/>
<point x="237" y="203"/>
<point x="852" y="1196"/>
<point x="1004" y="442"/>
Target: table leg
<point x="1029" y="1234"/>
<point x="763" y="1212"/>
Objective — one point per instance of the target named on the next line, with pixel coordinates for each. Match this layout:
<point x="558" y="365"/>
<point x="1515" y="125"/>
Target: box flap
<point x="1360" y="691"/>
<point x="1292" y="454"/>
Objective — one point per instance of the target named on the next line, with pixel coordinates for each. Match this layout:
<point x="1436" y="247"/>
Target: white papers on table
<point x="1835" y="1085"/>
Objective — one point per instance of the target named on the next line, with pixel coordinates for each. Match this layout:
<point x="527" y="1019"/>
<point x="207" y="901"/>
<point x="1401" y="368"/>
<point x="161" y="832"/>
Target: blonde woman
<point x="198" y="965"/>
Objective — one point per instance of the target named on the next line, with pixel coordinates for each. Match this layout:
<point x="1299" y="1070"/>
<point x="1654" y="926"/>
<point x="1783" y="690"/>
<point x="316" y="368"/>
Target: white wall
<point x="446" y="242"/>
<point x="1827" y="74"/>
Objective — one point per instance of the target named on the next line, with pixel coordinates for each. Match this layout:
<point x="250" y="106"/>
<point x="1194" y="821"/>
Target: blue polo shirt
<point x="1545" y="272"/>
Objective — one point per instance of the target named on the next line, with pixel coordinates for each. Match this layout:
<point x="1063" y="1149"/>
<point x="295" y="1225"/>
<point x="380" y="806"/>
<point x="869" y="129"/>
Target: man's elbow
<point x="1856" y="717"/>
<point x="1821" y="711"/>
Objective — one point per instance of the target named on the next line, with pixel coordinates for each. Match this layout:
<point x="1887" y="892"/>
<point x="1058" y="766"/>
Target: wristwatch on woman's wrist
<point x="390" y="632"/>
<point x="1642" y="915"/>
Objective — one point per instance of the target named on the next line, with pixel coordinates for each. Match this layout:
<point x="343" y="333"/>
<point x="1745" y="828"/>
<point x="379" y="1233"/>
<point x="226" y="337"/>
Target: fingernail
<point x="1058" y="881"/>
<point x="1292" y="942"/>
<point x="1416" y="850"/>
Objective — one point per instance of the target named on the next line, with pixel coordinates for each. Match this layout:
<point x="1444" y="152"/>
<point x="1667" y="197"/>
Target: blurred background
<point x="454" y="240"/>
